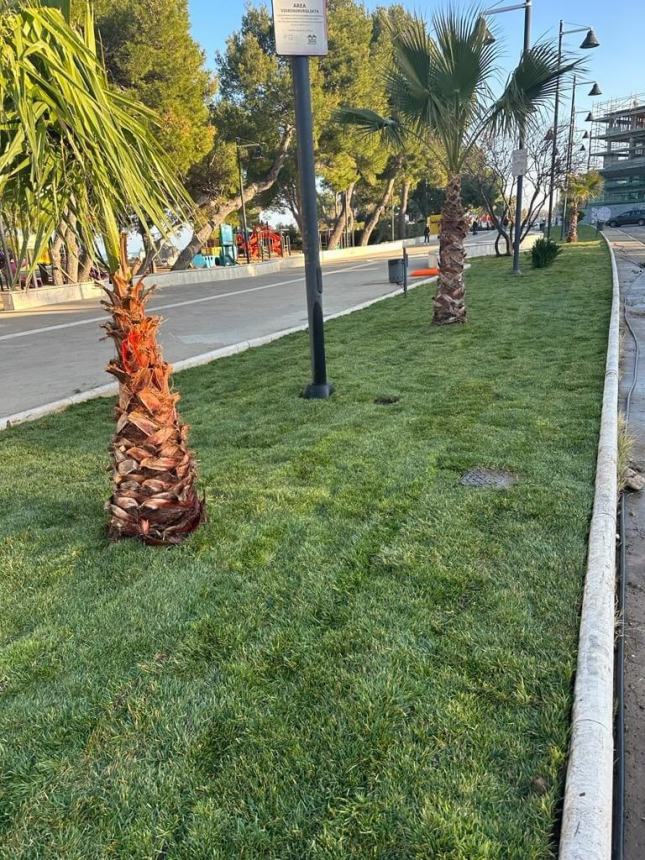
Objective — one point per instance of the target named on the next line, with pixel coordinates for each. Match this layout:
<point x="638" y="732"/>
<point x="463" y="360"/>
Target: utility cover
<point x="300" y="27"/>
<point x="497" y="479"/>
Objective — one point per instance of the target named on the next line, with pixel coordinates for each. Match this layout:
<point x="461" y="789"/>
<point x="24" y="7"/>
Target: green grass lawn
<point x="356" y="657"/>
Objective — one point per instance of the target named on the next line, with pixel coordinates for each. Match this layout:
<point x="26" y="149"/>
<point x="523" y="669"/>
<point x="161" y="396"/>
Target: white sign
<point x="520" y="162"/>
<point x="300" y="27"/>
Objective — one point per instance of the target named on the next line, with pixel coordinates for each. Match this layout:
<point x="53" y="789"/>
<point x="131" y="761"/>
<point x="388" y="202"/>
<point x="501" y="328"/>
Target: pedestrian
<point x="426" y="235"/>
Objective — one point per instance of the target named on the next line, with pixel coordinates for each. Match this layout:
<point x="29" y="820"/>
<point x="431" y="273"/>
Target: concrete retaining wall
<point x="22" y="300"/>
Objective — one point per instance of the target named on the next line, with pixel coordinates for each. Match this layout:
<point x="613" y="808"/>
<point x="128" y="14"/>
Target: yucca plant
<point x="544" y="252"/>
<point x="439" y="88"/>
<point x="580" y="189"/>
<point x="74" y="148"/>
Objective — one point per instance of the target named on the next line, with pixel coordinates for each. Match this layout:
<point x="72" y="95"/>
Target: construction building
<point x="618" y="141"/>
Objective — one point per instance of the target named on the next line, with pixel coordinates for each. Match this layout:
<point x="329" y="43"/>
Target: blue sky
<point x="618" y="64"/>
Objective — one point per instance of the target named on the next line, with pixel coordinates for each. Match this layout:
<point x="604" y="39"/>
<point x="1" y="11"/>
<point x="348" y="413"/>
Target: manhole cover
<point x="488" y="478"/>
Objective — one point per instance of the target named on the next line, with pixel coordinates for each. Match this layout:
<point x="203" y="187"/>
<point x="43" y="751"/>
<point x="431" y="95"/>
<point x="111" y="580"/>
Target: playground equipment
<point x="261" y="244"/>
<point x="222" y="254"/>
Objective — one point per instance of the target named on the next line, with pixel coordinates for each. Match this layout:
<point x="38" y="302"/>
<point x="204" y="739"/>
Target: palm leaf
<point x="530" y="87"/>
<point x="369" y="122"/>
<point x="69" y="142"/>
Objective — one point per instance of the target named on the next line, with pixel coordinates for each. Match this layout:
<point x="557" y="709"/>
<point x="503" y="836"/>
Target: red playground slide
<point x="263" y="243"/>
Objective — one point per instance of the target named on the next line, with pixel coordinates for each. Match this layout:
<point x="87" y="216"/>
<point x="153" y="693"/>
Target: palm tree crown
<point x="440" y="89"/>
<point x="581" y="187"/>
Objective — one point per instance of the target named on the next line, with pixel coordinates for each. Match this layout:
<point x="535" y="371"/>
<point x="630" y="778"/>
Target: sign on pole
<point x="520" y="163"/>
<point x="300" y="27"/>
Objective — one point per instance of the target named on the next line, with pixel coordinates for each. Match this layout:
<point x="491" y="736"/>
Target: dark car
<point x="634" y="216"/>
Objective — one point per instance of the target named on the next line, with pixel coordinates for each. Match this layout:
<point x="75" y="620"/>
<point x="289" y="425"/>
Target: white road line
<point x="90" y="320"/>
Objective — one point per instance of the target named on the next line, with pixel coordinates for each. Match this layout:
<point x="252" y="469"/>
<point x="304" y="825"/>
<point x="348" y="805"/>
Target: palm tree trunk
<point x="449" y="301"/>
<point x="339" y="226"/>
<point x="403" y="211"/>
<point x="572" y="235"/>
<point x="375" y="217"/>
<point x="154" y="492"/>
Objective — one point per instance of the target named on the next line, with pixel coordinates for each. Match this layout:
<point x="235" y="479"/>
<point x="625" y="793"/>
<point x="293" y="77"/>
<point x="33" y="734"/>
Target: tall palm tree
<point x="439" y="88"/>
<point x="74" y="149"/>
<point x="580" y="189"/>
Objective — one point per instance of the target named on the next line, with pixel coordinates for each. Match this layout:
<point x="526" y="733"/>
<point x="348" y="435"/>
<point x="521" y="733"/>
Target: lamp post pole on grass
<point x="517" y="230"/>
<point x="300" y="32"/>
<point x="590" y="41"/>
<point x="319" y="388"/>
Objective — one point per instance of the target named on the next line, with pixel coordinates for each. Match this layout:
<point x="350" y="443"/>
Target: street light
<point x="590" y="41"/>
<point x="239" y="147"/>
<point x="526" y="5"/>
<point x="594" y="91"/>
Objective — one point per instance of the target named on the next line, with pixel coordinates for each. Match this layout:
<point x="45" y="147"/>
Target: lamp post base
<point x="318" y="391"/>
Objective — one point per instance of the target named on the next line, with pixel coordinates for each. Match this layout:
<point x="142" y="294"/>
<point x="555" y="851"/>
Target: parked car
<point x="634" y="216"/>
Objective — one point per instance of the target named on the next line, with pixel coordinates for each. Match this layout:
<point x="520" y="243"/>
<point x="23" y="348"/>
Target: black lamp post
<point x="594" y="91"/>
<point x="239" y="147"/>
<point x="590" y="41"/>
<point x="517" y="236"/>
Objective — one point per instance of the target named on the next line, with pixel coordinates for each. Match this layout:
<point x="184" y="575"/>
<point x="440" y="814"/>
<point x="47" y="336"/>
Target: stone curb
<point x="587" y="813"/>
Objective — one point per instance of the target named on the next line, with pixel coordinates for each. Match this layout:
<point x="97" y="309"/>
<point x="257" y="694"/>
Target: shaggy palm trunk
<point x="449" y="301"/>
<point x="572" y="235"/>
<point x="154" y="494"/>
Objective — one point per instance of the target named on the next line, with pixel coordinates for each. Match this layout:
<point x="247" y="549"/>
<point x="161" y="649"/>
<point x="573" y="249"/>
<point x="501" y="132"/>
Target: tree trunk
<point x="450" y="299"/>
<point x="154" y="494"/>
<point x="405" y="196"/>
<point x="72" y="256"/>
<point x="56" y="256"/>
<point x="341" y="221"/>
<point x="218" y="211"/>
<point x="151" y="248"/>
<point x="85" y="267"/>
<point x="375" y="217"/>
<point x="572" y="235"/>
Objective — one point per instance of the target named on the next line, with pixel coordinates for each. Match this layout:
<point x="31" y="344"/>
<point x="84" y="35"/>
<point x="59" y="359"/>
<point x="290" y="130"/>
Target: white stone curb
<point x="194" y="361"/>
<point x="587" y="814"/>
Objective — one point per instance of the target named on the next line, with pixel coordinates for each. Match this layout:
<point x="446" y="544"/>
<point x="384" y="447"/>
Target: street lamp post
<point x="594" y="91"/>
<point x="590" y="41"/>
<point x="319" y="388"/>
<point x="517" y="236"/>
<point x="239" y="147"/>
<point x="300" y="31"/>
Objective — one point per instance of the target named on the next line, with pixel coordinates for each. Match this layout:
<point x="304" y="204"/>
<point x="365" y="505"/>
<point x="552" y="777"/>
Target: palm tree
<point x="76" y="150"/>
<point x="439" y="89"/>
<point x="580" y="189"/>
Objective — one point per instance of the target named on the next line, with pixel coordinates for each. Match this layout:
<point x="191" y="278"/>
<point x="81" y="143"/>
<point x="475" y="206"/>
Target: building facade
<point x="618" y="143"/>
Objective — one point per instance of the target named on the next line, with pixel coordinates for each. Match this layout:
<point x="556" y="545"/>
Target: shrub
<point x="544" y="252"/>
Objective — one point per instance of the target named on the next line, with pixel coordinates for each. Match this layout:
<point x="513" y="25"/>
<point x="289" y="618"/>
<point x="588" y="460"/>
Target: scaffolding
<point x="618" y="149"/>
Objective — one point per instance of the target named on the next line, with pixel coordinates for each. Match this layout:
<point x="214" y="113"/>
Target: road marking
<point x="90" y="320"/>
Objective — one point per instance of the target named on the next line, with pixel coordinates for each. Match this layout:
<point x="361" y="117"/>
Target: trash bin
<point x="599" y="226"/>
<point x="395" y="270"/>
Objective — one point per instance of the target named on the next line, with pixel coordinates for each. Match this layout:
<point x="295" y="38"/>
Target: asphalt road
<point x="47" y="354"/>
